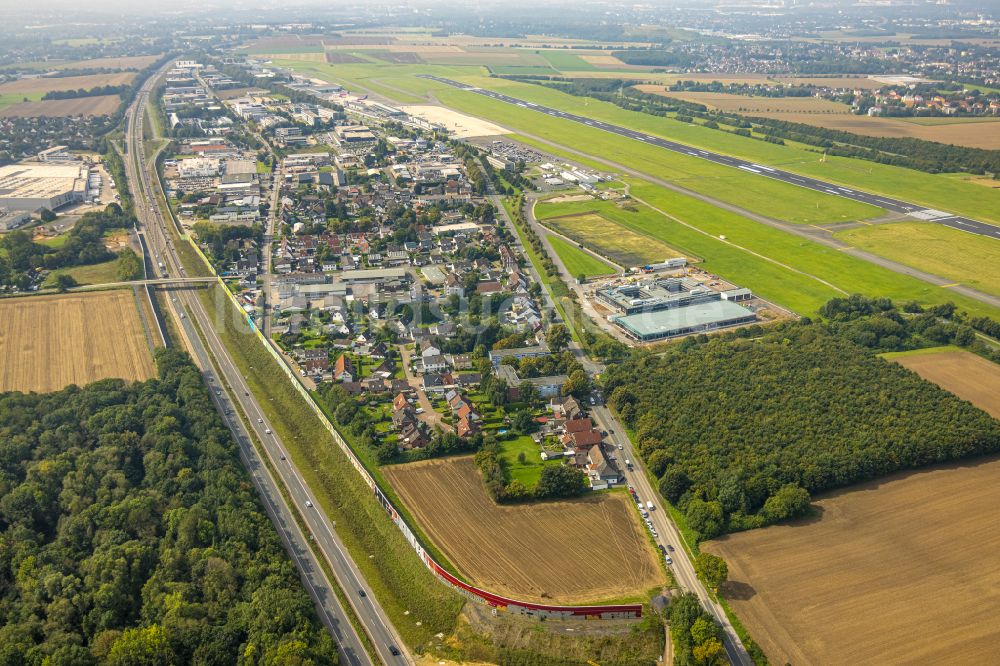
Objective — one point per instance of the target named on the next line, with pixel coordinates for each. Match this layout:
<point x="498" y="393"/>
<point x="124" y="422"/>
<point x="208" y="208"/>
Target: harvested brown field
<point x="968" y="376"/>
<point x="49" y="342"/>
<point x="588" y="549"/>
<point x="752" y="105"/>
<point x="233" y="93"/>
<point x="973" y="132"/>
<point x="49" y="84"/>
<point x="833" y="115"/>
<point x="337" y="58"/>
<point x="603" y="60"/>
<point x="100" y="105"/>
<point x="897" y="571"/>
<point x="862" y="82"/>
<point x="124" y="62"/>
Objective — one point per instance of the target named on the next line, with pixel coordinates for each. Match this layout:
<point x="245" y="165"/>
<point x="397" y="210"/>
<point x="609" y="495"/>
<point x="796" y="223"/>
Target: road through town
<point x="197" y="327"/>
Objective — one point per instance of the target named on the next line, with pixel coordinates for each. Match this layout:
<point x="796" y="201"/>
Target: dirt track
<point x="901" y="571"/>
<point x="576" y="551"/>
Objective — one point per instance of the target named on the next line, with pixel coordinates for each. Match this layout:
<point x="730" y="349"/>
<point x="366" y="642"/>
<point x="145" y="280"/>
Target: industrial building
<point x="34" y="186"/>
<point x="661" y="308"/>
<point x="697" y="318"/>
<point x="656" y="294"/>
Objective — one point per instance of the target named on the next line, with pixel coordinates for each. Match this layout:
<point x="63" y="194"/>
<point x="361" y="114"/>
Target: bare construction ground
<point x="459" y="124"/>
<point x="968" y="376"/>
<point x="564" y="552"/>
<point x="898" y="571"/>
<point x="49" y="342"/>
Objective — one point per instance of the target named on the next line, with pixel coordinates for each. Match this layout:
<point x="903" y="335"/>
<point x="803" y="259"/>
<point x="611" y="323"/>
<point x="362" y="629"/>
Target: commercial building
<point x="34" y="186"/>
<point x="696" y="318"/>
<point x="12" y="219"/>
<point x="654" y="295"/>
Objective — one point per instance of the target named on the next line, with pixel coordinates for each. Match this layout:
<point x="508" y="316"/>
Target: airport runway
<point x="915" y="211"/>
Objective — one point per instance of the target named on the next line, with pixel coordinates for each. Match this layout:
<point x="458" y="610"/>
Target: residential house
<point x="343" y="370"/>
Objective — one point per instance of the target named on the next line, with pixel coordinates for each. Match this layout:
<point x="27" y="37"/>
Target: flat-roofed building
<point x="34" y="186"/>
<point x="697" y="318"/>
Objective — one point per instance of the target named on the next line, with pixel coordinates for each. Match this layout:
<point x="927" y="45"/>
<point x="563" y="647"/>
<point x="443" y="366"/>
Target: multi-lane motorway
<point x="913" y="210"/>
<point x="233" y="397"/>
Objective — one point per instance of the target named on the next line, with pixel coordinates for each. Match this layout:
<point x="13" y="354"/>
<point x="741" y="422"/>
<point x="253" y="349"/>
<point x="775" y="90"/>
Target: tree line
<point x="908" y="152"/>
<point x="130" y="534"/>
<point x="741" y="431"/>
<point x="96" y="91"/>
<point x="84" y="245"/>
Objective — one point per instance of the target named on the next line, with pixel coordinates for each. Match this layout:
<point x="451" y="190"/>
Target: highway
<point x="916" y="211"/>
<point x="231" y="391"/>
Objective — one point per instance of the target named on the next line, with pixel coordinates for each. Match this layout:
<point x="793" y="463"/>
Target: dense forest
<point x="739" y="431"/>
<point x="130" y="534"/>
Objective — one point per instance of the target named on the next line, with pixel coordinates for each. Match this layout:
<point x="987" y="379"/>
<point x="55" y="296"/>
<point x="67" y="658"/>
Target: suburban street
<point x="230" y="390"/>
<point x="913" y="210"/>
<point x="683" y="568"/>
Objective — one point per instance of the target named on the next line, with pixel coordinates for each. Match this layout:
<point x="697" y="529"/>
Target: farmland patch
<point x="48" y="342"/>
<point x="588" y="549"/>
<point x="870" y="580"/>
<point x="968" y="376"/>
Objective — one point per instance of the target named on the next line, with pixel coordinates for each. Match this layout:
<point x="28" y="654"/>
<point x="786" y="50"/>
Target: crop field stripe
<point x="47" y="343"/>
<point x="519" y="550"/>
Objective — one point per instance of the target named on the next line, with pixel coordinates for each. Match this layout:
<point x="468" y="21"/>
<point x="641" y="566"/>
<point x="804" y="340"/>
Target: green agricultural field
<point x="931" y="190"/>
<point x="101" y="273"/>
<point x="762" y="245"/>
<point x="963" y="257"/>
<point x="577" y="261"/>
<point x="529" y="471"/>
<point x="618" y="243"/>
<point x="567" y="61"/>
<point x="760" y="195"/>
<point x="7" y="99"/>
<point x="517" y="70"/>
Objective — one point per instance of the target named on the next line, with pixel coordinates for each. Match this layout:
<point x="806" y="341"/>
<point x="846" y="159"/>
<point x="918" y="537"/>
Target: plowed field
<point x="588" y="549"/>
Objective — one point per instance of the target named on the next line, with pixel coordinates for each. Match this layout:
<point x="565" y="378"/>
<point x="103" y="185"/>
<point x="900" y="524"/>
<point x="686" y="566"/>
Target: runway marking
<point x="844" y="249"/>
<point x="949" y="286"/>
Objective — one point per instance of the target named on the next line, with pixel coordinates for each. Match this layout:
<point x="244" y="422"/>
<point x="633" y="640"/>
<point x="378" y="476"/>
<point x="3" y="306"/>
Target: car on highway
<point x="282" y="457"/>
<point x="670" y="548"/>
<point x="394" y="650"/>
<point x="267" y="431"/>
<point x="260" y="420"/>
<point x="621" y="448"/>
<point x="361" y="593"/>
<point x="309" y="504"/>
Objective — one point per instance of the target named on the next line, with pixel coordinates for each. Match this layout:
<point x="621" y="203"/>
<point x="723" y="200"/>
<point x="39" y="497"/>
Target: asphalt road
<point x="682" y="567"/>
<point x="233" y="392"/>
<point x="915" y="211"/>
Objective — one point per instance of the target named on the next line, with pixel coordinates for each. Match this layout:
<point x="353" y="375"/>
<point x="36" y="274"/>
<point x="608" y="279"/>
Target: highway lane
<point x="186" y="307"/>
<point x="916" y="211"/>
